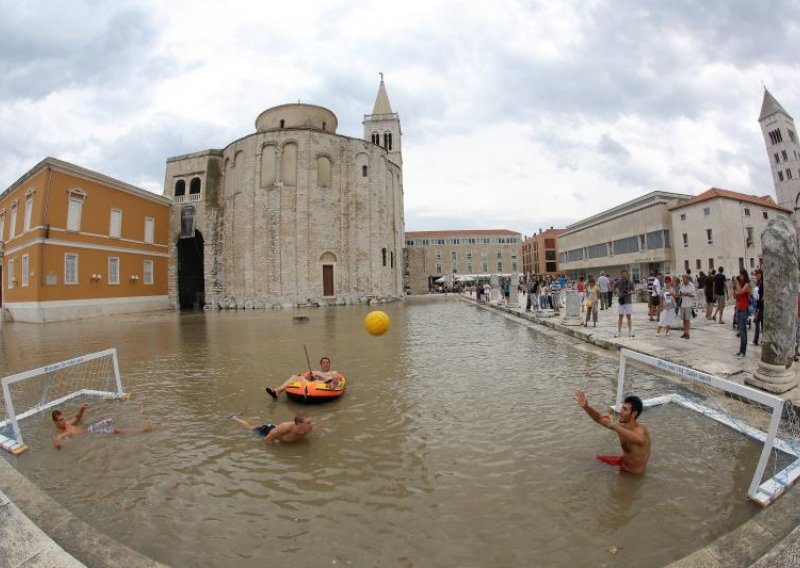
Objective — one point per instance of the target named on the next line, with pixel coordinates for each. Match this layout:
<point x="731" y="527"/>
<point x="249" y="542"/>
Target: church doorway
<point x="191" y="281"/>
<point x="327" y="280"/>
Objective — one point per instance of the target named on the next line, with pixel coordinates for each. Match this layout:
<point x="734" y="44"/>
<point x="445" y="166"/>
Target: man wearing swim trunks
<point x="633" y="437"/>
<point x="324" y="375"/>
<point x="283" y="432"/>
<point x="68" y="427"/>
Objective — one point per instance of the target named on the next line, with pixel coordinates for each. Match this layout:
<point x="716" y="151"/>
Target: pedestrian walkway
<point x="712" y="347"/>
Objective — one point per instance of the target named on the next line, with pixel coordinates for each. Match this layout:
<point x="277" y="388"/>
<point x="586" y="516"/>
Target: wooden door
<point x="327" y="280"/>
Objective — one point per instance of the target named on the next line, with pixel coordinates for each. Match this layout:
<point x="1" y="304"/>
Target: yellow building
<point x="476" y="254"/>
<point x="75" y="243"/>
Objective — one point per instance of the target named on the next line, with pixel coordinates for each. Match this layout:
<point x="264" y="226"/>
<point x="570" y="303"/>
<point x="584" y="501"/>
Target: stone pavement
<point x="772" y="537"/>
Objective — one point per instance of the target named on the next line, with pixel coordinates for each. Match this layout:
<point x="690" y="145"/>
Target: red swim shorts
<point x="616" y="461"/>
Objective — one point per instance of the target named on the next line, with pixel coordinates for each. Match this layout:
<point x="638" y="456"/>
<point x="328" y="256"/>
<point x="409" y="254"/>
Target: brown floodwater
<point x="458" y="443"/>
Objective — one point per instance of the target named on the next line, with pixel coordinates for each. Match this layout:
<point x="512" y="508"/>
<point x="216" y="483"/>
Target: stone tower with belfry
<point x="783" y="151"/>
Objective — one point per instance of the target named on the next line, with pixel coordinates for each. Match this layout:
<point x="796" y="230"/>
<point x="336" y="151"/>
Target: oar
<point x="310" y="372"/>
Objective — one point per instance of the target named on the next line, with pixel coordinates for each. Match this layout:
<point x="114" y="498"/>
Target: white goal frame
<point x="16" y="445"/>
<point x="762" y="493"/>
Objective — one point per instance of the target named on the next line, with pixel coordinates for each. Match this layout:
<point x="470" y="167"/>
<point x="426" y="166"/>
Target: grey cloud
<point x="611" y="148"/>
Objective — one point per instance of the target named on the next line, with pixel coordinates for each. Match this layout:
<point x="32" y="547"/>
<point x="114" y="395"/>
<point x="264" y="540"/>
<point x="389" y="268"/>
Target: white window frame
<point x="2" y="225"/>
<point x="25" y="265"/>
<point x="148" y="273"/>
<point x="111" y="225"/>
<point x="113" y="277"/>
<point x="12" y="224"/>
<point x="149" y="229"/>
<point x="11" y="268"/>
<point x="26" y="223"/>
<point x="67" y="257"/>
<point x="77" y="197"/>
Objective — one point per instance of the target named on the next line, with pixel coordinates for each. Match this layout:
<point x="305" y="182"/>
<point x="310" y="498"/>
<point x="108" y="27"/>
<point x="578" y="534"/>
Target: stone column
<point x="572" y="314"/>
<point x="775" y="371"/>
<point x="494" y="282"/>
<point x="513" y="291"/>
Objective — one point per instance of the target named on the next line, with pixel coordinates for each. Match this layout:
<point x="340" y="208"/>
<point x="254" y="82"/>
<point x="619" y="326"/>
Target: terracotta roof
<point x="763" y="201"/>
<point x="417" y="234"/>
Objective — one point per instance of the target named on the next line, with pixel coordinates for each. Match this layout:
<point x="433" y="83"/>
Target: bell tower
<point x="783" y="151"/>
<point x="382" y="127"/>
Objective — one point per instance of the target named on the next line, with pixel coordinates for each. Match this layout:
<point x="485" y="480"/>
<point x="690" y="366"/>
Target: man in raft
<point x="283" y="432"/>
<point x="324" y="375"/>
<point x="633" y="437"/>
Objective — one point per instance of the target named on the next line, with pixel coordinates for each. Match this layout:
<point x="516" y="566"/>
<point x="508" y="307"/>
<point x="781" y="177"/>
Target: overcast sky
<point x="515" y="114"/>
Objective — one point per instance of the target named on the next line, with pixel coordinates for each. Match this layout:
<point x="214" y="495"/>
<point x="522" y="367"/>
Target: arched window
<point x="180" y="188"/>
<point x="289" y="165"/>
<point x="392" y="253"/>
<point x="364" y="171"/>
<point x="323" y="172"/>
<point x="376" y="138"/>
<point x="282" y="123"/>
<point x="383" y="252"/>
<point x="194" y="185"/>
<point x="387" y="140"/>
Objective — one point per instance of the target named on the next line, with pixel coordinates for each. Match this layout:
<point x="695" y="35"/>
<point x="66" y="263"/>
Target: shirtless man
<point x="324" y="375"/>
<point x="68" y="427"/>
<point x="633" y="437"/>
<point x="283" y="432"/>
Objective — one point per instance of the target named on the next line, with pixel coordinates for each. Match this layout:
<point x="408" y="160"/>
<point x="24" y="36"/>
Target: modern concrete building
<point x="291" y="214"/>
<point x="783" y="151"/>
<point x="635" y="236"/>
<point x="476" y="253"/>
<point x="721" y="228"/>
<point x="75" y="243"/>
<point x="540" y="252"/>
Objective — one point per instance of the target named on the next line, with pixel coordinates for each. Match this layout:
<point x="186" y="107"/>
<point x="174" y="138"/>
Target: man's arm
<point x="57" y="440"/>
<point x="277" y="432"/>
<point x="78" y="415"/>
<point x="583" y="402"/>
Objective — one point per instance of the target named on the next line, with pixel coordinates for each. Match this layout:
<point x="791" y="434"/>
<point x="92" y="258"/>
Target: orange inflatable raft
<point x="315" y="391"/>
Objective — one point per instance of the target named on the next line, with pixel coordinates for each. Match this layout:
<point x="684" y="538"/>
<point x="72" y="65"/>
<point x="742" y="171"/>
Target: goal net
<point x="32" y="392"/>
<point x="762" y="416"/>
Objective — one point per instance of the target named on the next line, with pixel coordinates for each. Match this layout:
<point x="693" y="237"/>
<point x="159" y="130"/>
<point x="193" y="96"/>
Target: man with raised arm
<point x="633" y="437"/>
<point x="324" y="375"/>
<point x="283" y="432"/>
<point x="68" y="427"/>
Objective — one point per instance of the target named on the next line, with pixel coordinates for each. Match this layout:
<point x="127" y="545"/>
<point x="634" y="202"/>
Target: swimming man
<point x="324" y="375"/>
<point x="633" y="437"/>
<point x="283" y="432"/>
<point x="68" y="427"/>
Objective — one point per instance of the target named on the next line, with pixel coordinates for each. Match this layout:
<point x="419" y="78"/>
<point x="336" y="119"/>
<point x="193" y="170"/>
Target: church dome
<point x="303" y="116"/>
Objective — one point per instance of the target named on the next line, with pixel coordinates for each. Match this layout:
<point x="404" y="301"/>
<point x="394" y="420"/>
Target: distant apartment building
<point x="721" y="228"/>
<point x="476" y="253"/>
<point x="635" y="236"/>
<point x="540" y="252"/>
<point x="75" y="243"/>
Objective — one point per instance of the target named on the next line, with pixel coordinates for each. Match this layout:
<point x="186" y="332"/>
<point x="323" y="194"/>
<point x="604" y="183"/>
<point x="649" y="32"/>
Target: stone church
<point x="291" y="214"/>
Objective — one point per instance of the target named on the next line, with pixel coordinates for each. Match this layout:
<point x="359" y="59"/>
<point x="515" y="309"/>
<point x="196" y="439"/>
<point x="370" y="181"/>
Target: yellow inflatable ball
<point x="377" y="323"/>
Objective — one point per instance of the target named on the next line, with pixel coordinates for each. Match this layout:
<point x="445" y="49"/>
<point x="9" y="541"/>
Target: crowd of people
<point x="685" y="296"/>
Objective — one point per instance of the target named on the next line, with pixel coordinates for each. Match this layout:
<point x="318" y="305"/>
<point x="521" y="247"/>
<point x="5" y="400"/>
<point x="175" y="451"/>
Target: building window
<point x="149" y="229"/>
<point x="469" y="267"/>
<point x="710" y="264"/>
<point x="26" y="224"/>
<point x="70" y="268"/>
<point x="780" y="176"/>
<point x="785" y="155"/>
<point x="683" y="216"/>
<point x="438" y="255"/>
<point x="752" y="262"/>
<point x="148" y="272"/>
<point x="709" y="236"/>
<point x="391" y="259"/>
<point x="2" y="225"/>
<point x="707" y="211"/>
<point x="499" y="266"/>
<point x="12" y="225"/>
<point x="113" y="270"/>
<point x="485" y="267"/>
<point x="453" y="256"/>
<point x="364" y="171"/>
<point x="698" y="264"/>
<point x="194" y="186"/>
<point x="283" y="122"/>
<point x="788" y="173"/>
<point x="686" y="266"/>
<point x="499" y="254"/>
<point x="746" y="212"/>
<point x="387" y="140"/>
<point x="765" y="214"/>
<point x="777" y="158"/>
<point x="11" y="267"/>
<point x="438" y="268"/>
<point x="749" y="241"/>
<point x="74" y="208"/>
<point x="115" y="223"/>
<point x="792" y="137"/>
<point x="685" y="239"/>
<point x="383" y="254"/>
<point x="25" y="270"/>
<point x="775" y="136"/>
<point x="180" y="188"/>
<point x="513" y="266"/>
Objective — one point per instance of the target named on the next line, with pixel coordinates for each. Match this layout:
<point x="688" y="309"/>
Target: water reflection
<point x="457" y="443"/>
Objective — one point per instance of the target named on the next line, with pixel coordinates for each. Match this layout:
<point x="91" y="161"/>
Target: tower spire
<point x="382" y="105"/>
<point x="770" y="106"/>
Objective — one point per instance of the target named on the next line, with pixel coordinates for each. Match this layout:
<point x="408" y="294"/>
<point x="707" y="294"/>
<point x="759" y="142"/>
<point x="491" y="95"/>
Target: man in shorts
<point x="634" y="438"/>
<point x="719" y="293"/>
<point x="654" y="287"/>
<point x="324" y="375"/>
<point x="284" y="432"/>
<point x="624" y="302"/>
<point x="69" y="427"/>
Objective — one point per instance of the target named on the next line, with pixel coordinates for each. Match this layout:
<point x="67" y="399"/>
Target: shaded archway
<point x="191" y="283"/>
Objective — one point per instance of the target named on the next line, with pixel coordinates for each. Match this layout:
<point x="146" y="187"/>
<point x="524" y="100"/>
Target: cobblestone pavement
<point x="711" y="348"/>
